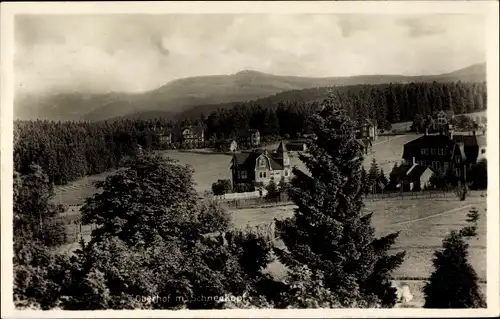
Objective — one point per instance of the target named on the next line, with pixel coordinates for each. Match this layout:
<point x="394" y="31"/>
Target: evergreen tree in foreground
<point x="454" y="283"/>
<point x="329" y="232"/>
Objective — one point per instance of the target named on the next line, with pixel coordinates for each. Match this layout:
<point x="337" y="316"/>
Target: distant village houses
<point x="297" y="145"/>
<point x="259" y="167"/>
<point x="192" y="135"/>
<point x="367" y="129"/>
<point x="446" y="151"/>
<point x="249" y="137"/>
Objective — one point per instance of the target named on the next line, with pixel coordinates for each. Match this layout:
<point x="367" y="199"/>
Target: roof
<point x="248" y="159"/>
<point x="281" y="148"/>
<point x="416" y="172"/>
<point x="412" y="148"/>
<point x="467" y="140"/>
<point x="370" y="122"/>
<point x="196" y="128"/>
<point x="410" y="172"/>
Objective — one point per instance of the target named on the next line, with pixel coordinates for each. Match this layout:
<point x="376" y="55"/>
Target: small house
<point x="414" y="177"/>
<point x="249" y="137"/>
<point x="298" y="145"/>
<point x="233" y="146"/>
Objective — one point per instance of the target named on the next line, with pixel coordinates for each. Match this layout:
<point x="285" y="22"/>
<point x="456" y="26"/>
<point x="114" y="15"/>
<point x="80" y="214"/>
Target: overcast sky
<point x="140" y="52"/>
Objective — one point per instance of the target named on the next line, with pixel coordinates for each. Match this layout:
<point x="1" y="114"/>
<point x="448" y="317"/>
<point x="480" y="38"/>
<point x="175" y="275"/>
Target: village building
<point x="413" y="177"/>
<point x="446" y="151"/>
<point x="368" y="129"/>
<point x="192" y="135"/>
<point x="164" y="135"/>
<point x="233" y="146"/>
<point x="249" y="137"/>
<point x="297" y="145"/>
<point x="259" y="167"/>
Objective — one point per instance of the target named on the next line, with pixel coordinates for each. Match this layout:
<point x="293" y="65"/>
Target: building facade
<point x="368" y="129"/>
<point x="249" y="137"/>
<point x="259" y="167"/>
<point x="446" y="152"/>
<point x="192" y="135"/>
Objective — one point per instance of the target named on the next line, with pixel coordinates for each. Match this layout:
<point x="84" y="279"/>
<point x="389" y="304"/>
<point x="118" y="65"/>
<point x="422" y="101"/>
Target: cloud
<point x="140" y="52"/>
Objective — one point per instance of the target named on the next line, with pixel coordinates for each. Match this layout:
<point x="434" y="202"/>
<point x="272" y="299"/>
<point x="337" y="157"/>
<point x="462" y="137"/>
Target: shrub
<point x="221" y="187"/>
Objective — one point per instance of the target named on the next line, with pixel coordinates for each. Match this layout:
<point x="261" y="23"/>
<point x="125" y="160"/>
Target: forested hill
<point x="181" y="95"/>
<point x="69" y="150"/>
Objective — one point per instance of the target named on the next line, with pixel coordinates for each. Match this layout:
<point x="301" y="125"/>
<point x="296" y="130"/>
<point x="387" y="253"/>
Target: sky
<point x="134" y="53"/>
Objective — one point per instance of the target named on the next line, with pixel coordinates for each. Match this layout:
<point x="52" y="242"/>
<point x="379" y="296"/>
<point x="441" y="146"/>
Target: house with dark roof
<point x="259" y="167"/>
<point x="192" y="135"/>
<point x="164" y="135"/>
<point x="249" y="137"/>
<point x="297" y="145"/>
<point x="368" y="129"/>
<point x="413" y="177"/>
<point x="445" y="151"/>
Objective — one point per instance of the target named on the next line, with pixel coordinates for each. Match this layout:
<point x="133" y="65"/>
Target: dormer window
<point x="262" y="163"/>
<point x="441" y="151"/>
<point x="457" y="159"/>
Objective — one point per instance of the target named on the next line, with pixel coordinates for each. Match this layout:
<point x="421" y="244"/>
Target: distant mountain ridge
<point x="183" y="95"/>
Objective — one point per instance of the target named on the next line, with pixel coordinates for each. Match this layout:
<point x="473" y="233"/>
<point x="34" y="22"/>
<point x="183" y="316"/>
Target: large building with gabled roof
<point x="259" y="167"/>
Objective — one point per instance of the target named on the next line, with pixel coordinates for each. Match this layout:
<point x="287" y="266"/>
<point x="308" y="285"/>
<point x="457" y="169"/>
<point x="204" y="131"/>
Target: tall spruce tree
<point x="329" y="232"/>
<point x="373" y="175"/>
<point x="454" y="283"/>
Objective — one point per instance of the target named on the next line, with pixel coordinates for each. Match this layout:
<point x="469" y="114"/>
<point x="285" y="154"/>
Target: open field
<point x="422" y="226"/>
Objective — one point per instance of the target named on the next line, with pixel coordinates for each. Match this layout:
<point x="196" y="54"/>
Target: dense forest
<point x="385" y="103"/>
<point x="67" y="151"/>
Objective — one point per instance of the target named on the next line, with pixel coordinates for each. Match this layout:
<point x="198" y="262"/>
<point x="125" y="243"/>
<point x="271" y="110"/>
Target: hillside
<point x="181" y="95"/>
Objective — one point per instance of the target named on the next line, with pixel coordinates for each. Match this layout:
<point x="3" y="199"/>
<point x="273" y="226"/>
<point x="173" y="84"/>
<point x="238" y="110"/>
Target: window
<point x="457" y="172"/>
<point x="433" y="151"/>
<point x="457" y="159"/>
<point x="441" y="151"/>
<point x="483" y="150"/>
<point x="286" y="172"/>
<point x="262" y="162"/>
<point x="436" y="165"/>
<point x="243" y="174"/>
<point x="424" y="151"/>
<point x="264" y="174"/>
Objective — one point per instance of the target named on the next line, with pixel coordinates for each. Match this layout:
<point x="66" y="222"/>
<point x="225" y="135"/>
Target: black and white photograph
<point x="272" y="159"/>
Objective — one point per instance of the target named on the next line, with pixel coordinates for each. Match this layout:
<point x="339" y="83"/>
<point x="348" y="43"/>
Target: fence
<point x="230" y="196"/>
<point x="411" y="195"/>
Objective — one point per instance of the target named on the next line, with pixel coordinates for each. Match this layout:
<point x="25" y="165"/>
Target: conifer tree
<point x="373" y="175"/>
<point x="454" y="283"/>
<point x="329" y="232"/>
<point x="382" y="181"/>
